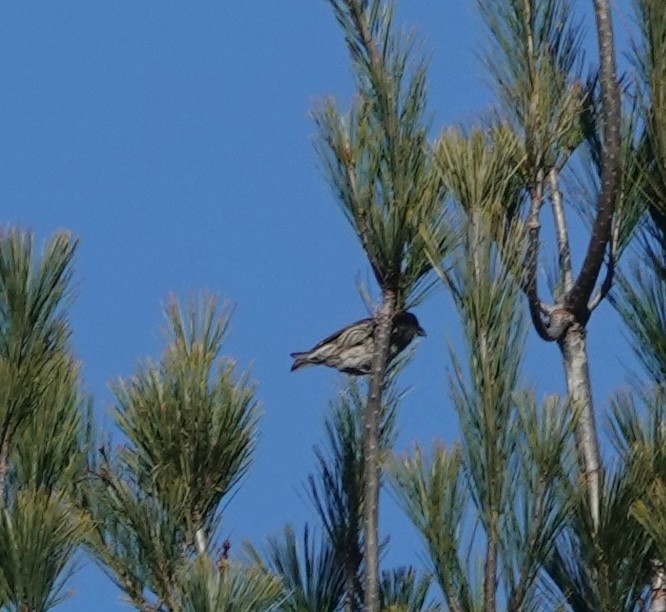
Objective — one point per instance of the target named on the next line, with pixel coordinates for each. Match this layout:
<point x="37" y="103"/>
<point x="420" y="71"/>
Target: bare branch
<point x="563" y="247"/>
<point x="530" y="285"/>
<point x="576" y="300"/>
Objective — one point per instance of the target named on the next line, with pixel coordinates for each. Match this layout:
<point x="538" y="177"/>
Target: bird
<point x="350" y="349"/>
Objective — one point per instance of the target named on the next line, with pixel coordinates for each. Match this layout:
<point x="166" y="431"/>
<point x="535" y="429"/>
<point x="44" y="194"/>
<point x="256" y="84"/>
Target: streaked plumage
<point x="350" y="349"/>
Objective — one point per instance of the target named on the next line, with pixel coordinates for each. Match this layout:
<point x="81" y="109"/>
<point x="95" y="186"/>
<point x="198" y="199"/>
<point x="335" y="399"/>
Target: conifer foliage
<point x="379" y="164"/>
<point x="524" y="512"/>
<point x="189" y="423"/>
<point x="42" y="423"/>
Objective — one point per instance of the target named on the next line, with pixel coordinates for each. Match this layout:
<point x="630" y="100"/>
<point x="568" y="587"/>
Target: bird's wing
<point x="352" y="335"/>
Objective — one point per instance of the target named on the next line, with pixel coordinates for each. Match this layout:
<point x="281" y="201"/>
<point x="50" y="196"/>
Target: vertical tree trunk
<point x="574" y="353"/>
<point x="371" y="458"/>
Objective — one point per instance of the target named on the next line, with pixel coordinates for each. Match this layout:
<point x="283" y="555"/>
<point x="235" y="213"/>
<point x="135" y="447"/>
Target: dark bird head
<point x="405" y="328"/>
<point x="408" y="325"/>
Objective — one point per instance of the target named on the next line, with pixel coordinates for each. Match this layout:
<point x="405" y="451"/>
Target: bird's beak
<point x="421" y="332"/>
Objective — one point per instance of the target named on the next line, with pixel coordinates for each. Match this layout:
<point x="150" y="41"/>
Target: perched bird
<point x="350" y="349"/>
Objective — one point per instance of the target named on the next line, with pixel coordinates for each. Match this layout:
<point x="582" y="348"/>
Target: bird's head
<point x="408" y="324"/>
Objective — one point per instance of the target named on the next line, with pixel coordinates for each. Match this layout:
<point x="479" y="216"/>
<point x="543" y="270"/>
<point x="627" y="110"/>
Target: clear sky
<point x="174" y="139"/>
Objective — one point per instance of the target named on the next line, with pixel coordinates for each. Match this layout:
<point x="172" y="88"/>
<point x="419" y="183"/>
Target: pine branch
<point x="311" y="574"/>
<point x="380" y="166"/>
<point x="435" y="497"/>
<point x="190" y="425"/>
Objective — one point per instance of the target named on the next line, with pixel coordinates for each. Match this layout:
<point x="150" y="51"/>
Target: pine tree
<point x="640" y="417"/>
<point x="507" y="173"/>
<point x="536" y="62"/>
<point x="378" y="162"/>
<point x="43" y="424"/>
<point x="498" y="491"/>
<point x="189" y="424"/>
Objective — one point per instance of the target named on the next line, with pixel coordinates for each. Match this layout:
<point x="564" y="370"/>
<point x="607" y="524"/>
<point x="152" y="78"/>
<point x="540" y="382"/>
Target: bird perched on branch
<point x="350" y="349"/>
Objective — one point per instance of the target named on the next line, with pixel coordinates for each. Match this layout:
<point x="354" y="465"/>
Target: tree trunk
<point x="371" y="458"/>
<point x="574" y="353"/>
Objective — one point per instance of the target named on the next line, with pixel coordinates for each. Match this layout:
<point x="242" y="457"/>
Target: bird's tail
<point x="300" y="360"/>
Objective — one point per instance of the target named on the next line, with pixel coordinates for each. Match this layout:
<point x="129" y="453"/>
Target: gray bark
<point x="574" y="354"/>
<point x="200" y="541"/>
<point x="371" y="458"/>
<point x="561" y="230"/>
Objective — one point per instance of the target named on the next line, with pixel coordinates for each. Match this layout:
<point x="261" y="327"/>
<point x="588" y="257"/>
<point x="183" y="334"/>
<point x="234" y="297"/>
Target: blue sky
<point x="174" y="140"/>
